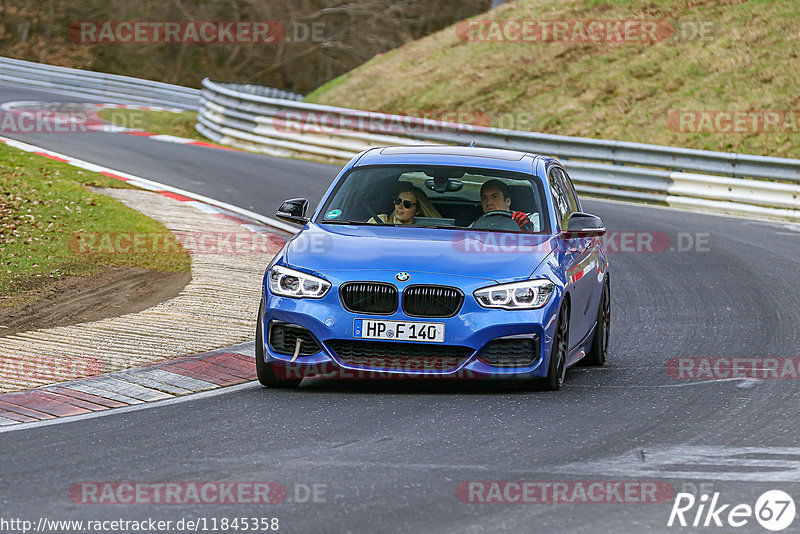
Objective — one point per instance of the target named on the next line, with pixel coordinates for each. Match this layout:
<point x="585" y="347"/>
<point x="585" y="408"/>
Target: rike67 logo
<point x="774" y="510"/>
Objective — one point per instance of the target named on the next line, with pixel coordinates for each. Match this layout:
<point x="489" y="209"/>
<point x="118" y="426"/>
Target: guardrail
<point x="721" y="182"/>
<point x="277" y="122"/>
<point x="111" y="88"/>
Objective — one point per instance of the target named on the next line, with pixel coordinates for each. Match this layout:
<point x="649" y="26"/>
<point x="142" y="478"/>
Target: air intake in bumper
<point x="283" y="339"/>
<point x="395" y="356"/>
<point x="512" y="351"/>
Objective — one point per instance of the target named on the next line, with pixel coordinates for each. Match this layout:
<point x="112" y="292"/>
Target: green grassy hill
<point x="747" y="60"/>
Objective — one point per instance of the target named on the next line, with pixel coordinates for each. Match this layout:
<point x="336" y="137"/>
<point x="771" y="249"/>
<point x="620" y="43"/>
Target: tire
<point x="597" y="354"/>
<point x="266" y="371"/>
<point x="557" y="369"/>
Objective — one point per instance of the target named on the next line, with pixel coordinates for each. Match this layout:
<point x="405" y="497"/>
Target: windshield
<point x="438" y="197"/>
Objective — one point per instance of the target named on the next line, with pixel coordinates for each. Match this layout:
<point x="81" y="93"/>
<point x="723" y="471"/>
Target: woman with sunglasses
<point x="409" y="202"/>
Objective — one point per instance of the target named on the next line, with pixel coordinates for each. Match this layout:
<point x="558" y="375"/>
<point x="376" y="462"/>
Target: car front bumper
<point x="471" y="334"/>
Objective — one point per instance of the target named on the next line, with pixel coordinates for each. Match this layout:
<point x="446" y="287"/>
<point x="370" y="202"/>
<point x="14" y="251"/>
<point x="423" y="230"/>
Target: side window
<point x="560" y="199"/>
<point x="573" y="196"/>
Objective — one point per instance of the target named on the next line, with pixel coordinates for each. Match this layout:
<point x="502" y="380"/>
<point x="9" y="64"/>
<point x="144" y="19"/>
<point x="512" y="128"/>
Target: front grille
<point x="369" y="297"/>
<point x="432" y="301"/>
<point x="399" y="356"/>
<point x="283" y="339"/>
<point x="512" y="352"/>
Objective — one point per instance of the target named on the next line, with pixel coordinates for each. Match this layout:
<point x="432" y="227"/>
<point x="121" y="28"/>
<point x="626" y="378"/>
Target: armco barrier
<point x="245" y="115"/>
<point x="721" y="182"/>
<point x="110" y="87"/>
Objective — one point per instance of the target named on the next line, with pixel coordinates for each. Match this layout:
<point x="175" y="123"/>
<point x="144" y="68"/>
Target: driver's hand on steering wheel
<point x="523" y="221"/>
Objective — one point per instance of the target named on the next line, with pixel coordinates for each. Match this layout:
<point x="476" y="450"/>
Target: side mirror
<point x="584" y="225"/>
<point x="294" y="210"/>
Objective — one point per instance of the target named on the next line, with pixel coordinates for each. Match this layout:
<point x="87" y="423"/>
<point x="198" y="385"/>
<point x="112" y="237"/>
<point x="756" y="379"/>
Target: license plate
<point x="398" y="330"/>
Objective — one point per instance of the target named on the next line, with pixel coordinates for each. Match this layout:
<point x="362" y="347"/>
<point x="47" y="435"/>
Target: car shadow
<point x="413" y="386"/>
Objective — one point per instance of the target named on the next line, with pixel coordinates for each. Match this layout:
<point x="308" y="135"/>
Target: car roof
<point x="495" y="158"/>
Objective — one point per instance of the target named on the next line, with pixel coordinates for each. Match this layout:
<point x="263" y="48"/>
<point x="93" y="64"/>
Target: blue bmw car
<point x="437" y="261"/>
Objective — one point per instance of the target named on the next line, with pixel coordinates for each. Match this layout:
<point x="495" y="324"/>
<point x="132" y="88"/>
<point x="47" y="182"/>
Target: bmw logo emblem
<point x="402" y="277"/>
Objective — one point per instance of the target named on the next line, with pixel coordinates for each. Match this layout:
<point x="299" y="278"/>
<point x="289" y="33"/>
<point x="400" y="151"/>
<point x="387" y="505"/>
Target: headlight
<point x="526" y="295"/>
<point x="290" y="283"/>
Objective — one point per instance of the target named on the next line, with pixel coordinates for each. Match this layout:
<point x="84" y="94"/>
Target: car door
<point x="577" y="258"/>
<point x="591" y="265"/>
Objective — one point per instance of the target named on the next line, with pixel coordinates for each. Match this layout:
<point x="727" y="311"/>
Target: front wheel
<point x="597" y="354"/>
<point x="266" y="371"/>
<point x="557" y="370"/>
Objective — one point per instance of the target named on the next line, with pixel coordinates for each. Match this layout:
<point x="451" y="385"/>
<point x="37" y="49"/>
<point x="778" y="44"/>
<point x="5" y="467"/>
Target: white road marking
<point x="746" y="383"/>
<point x="748" y="464"/>
<point x="144" y="183"/>
<point x="171" y="139"/>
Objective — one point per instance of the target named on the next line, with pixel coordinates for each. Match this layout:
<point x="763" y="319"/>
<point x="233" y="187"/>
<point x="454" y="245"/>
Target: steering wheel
<point x="496" y="220"/>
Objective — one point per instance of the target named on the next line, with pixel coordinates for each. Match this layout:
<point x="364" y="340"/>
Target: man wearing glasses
<point x="495" y="196"/>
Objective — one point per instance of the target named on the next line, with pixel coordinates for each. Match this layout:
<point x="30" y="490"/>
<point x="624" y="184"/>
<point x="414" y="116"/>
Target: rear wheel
<point x="266" y="372"/>
<point x="557" y="369"/>
<point x="599" y="350"/>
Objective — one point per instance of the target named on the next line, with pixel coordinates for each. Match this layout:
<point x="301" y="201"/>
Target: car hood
<point x="483" y="255"/>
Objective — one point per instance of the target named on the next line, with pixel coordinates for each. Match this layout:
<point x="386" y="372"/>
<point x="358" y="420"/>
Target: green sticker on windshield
<point x="333" y="214"/>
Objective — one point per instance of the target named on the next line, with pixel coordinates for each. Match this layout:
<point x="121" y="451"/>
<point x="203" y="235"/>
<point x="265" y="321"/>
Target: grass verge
<point x="42" y="204"/>
<point x="161" y="122"/>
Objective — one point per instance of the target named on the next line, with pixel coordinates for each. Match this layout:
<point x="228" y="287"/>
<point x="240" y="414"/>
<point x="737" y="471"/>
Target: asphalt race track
<point x="235" y="177"/>
<point x="389" y="457"/>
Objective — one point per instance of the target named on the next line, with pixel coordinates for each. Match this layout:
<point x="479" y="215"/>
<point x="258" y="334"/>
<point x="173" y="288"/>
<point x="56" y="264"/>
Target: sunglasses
<point x="407" y="204"/>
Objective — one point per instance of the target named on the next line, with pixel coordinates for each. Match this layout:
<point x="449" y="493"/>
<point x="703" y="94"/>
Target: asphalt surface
<point x="390" y="456"/>
<point x="255" y="182"/>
